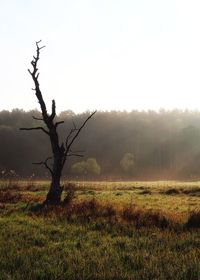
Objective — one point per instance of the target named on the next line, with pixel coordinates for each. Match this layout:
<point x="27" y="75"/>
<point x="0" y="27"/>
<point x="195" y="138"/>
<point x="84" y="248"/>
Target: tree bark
<point x="55" y="191"/>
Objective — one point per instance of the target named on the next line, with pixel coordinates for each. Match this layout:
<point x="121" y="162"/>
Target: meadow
<point x="105" y="230"/>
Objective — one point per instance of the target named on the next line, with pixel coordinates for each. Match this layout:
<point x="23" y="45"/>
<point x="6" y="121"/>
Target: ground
<point x="109" y="230"/>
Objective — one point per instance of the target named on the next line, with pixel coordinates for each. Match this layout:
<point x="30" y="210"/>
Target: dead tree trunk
<point x="60" y="152"/>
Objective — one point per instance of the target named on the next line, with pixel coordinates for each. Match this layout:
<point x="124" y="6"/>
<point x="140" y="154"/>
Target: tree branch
<point x="75" y="155"/>
<point x="45" y="164"/>
<point x="68" y="146"/>
<point x="35" y="76"/>
<point x="77" y="151"/>
<point x="70" y="136"/>
<point x="57" y="123"/>
<point x="35" y="128"/>
<point x="37" y="119"/>
<point x="53" y="110"/>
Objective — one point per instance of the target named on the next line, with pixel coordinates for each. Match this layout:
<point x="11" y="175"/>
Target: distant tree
<point x="127" y="163"/>
<point x="88" y="167"/>
<point x="60" y="151"/>
<point x="93" y="167"/>
<point x="79" y="168"/>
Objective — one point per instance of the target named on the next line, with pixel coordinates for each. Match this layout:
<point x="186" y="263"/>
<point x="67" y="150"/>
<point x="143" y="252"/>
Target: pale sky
<point x="102" y="54"/>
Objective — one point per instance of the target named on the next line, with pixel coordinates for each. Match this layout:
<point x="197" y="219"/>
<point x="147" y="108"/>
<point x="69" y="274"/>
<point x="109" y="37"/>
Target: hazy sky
<point x="102" y="54"/>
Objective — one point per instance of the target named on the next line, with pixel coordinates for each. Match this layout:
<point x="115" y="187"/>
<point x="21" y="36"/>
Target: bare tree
<point x="60" y="151"/>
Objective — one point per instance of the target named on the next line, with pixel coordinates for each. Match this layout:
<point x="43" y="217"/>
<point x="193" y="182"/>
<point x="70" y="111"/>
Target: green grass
<point x="50" y="245"/>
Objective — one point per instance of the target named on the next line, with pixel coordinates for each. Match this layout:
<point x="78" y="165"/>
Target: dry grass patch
<point x="195" y="191"/>
<point x="10" y="196"/>
<point x="93" y="210"/>
<point x="145" y="218"/>
<point x="29" y="198"/>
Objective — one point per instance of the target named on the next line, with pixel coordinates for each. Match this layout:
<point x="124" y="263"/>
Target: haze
<point x="104" y="55"/>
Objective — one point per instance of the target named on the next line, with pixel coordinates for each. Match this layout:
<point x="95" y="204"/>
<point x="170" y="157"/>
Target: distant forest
<point x="140" y="145"/>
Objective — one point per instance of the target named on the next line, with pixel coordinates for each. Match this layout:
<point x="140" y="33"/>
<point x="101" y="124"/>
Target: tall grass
<point x="99" y="233"/>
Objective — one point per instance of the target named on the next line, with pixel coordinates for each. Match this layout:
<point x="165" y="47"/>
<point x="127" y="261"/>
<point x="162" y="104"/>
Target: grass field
<point x="110" y="230"/>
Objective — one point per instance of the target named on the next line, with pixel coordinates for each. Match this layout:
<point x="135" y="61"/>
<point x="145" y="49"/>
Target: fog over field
<point x="162" y="145"/>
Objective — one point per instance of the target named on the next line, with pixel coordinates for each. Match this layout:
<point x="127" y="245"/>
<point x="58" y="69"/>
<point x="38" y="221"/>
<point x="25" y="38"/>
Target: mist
<point x="164" y="144"/>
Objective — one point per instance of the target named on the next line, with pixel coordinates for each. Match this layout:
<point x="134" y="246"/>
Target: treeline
<point x="142" y="145"/>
